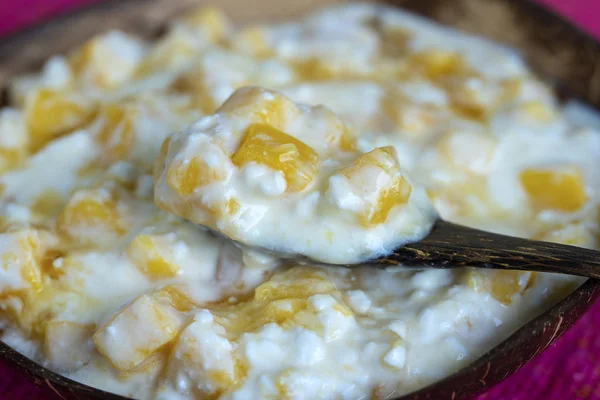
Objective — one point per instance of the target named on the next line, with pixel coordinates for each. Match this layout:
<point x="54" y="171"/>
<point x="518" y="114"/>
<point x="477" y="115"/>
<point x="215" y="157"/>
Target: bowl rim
<point x="560" y="313"/>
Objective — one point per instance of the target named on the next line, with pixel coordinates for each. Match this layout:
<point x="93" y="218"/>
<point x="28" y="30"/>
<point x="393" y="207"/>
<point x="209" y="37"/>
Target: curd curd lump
<point x="319" y="136"/>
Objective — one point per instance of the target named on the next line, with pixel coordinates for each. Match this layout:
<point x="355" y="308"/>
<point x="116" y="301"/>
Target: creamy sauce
<point x="102" y="280"/>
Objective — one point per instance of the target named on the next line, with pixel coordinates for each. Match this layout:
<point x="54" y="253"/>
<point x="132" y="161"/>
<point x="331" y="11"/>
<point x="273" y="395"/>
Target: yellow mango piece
<point x="88" y="213"/>
<point x="252" y="40"/>
<point x="297" y="282"/>
<point x="186" y="176"/>
<point x="192" y="83"/>
<point x="537" y="111"/>
<point x="416" y="122"/>
<point x="14" y="139"/>
<point x="261" y="106"/>
<point x="212" y="21"/>
<point x="153" y="256"/>
<point x="212" y="370"/>
<point x="439" y="64"/>
<point x="338" y="134"/>
<point x="106" y="61"/>
<point x="9" y="159"/>
<point x="502" y="285"/>
<point x="137" y="332"/>
<point x="467" y="150"/>
<point x="116" y="132"/>
<point x="365" y="172"/>
<point x="176" y="296"/>
<point x="264" y="144"/>
<point x="20" y="261"/>
<point x="49" y="114"/>
<point x="555" y="189"/>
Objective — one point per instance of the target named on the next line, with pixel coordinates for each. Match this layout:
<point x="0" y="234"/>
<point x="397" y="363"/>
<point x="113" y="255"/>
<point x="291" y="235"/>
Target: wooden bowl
<point x="558" y="51"/>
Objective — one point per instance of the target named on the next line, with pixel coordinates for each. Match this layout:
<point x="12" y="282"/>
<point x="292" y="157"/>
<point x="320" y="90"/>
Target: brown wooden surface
<point x="454" y="246"/>
<point x="555" y="48"/>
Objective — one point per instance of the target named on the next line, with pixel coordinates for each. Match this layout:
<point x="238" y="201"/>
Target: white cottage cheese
<point x="101" y="285"/>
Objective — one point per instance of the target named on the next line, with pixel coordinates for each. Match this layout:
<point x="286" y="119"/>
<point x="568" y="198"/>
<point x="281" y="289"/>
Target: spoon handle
<point x="451" y="246"/>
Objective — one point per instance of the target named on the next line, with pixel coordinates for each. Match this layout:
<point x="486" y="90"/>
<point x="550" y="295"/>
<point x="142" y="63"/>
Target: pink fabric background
<point x="570" y="369"/>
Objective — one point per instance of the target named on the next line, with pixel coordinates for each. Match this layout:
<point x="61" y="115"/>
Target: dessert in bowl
<point x="349" y="127"/>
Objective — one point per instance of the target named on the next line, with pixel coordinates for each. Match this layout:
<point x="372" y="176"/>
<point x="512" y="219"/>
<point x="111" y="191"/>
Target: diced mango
<point x="192" y="82"/>
<point x="186" y="176"/>
<point x="116" y="131"/>
<point x="375" y="177"/>
<point x="174" y="50"/>
<point x="502" y="285"/>
<point x="137" y="332"/>
<point x="20" y="261"/>
<point x="14" y="139"/>
<point x="67" y="345"/>
<point x="264" y="144"/>
<point x="211" y="368"/>
<point x="338" y="135"/>
<point x="211" y="21"/>
<point x="555" y="189"/>
<point x="107" y="61"/>
<point x="252" y="40"/>
<point x="153" y="256"/>
<point x="297" y="282"/>
<point x="418" y="122"/>
<point x="467" y="150"/>
<point x="261" y="106"/>
<point x="89" y="214"/>
<point x="49" y="114"/>
<point x="176" y="296"/>
<point x="439" y="64"/>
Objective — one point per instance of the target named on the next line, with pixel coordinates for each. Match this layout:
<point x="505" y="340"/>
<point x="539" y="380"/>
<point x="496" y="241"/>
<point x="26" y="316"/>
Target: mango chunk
<point x="14" y="139"/>
<point x="21" y="254"/>
<point x="211" y="21"/>
<point x="264" y="144"/>
<point x="153" y="256"/>
<point x="338" y="135"/>
<point x="209" y="166"/>
<point x="205" y="357"/>
<point x="467" y="150"/>
<point x="252" y="40"/>
<point x="90" y="214"/>
<point x="177" y="296"/>
<point x="116" y="132"/>
<point x="137" y="332"/>
<point x="375" y="178"/>
<point x="49" y="114"/>
<point x="174" y="50"/>
<point x="260" y="106"/>
<point x="438" y="64"/>
<point x="502" y="285"/>
<point x="107" y="61"/>
<point x="560" y="190"/>
<point x="297" y="282"/>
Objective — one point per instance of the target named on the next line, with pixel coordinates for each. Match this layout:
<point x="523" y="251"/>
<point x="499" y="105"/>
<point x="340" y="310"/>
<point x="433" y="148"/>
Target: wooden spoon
<point x="453" y="246"/>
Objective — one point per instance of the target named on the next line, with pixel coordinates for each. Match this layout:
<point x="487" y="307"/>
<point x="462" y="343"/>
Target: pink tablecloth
<point x="568" y="370"/>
